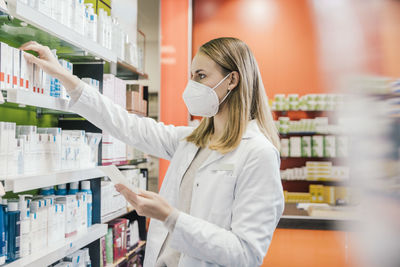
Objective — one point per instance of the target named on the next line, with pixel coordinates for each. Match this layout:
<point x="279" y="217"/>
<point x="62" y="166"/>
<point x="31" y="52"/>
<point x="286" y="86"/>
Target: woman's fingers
<point x="128" y="194"/>
<point x="26" y="44"/>
<point x="145" y="194"/>
<point x="40" y="49"/>
<point x="33" y="59"/>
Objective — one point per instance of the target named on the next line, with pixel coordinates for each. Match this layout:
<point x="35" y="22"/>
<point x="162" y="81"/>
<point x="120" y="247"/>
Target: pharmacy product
<point x="15" y="67"/>
<point x="73" y="188"/>
<point x="306" y="146"/>
<point x="3" y="238"/>
<point x="109" y="246"/>
<point x="61" y="190"/>
<point x="13" y="242"/>
<point x="119" y="227"/>
<point x="318" y="146"/>
<point x="295" y="146"/>
<point x="82" y="212"/>
<point x="25" y="240"/>
<point x="85" y="187"/>
<point x="70" y="205"/>
<point x="330" y="146"/>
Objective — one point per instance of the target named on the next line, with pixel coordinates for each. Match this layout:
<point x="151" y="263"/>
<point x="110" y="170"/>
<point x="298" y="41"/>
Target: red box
<point x="119" y="228"/>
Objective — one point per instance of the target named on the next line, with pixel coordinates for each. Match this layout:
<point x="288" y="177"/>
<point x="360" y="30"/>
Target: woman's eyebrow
<point x="197" y="71"/>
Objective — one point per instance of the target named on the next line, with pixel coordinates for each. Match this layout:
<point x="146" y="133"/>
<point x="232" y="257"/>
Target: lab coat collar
<point x="251" y="131"/>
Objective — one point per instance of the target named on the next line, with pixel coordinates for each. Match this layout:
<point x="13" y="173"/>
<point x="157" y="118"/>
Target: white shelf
<point x="114" y="215"/>
<point x="52" y="254"/>
<point x="25" y="97"/>
<point x="53" y="27"/>
<point x="28" y="182"/>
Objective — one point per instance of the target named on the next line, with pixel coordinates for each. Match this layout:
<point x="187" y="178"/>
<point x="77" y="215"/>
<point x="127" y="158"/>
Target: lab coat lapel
<point x="214" y="156"/>
<point x="191" y="153"/>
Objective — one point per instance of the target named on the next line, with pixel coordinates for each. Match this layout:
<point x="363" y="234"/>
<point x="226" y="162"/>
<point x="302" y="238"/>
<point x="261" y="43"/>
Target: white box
<point x="71" y="208"/>
<point x="3" y="65"/>
<point x="306" y="146"/>
<point x="295" y="146"/>
<point x="6" y="65"/>
<point x="318" y="146"/>
<point x="16" y="67"/>
<point x="330" y="146"/>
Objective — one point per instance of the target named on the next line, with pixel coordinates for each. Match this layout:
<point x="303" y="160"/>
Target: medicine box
<point x="16" y="54"/>
<point x="119" y="228"/>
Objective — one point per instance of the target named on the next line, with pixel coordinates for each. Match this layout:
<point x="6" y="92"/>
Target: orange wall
<point x="282" y="38"/>
<point x="305" y="248"/>
<point x="174" y="66"/>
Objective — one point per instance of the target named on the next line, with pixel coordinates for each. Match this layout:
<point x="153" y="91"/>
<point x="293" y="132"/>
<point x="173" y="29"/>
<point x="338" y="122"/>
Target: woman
<point x="222" y="197"/>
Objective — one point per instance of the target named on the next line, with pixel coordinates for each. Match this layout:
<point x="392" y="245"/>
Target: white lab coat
<point x="237" y="197"/>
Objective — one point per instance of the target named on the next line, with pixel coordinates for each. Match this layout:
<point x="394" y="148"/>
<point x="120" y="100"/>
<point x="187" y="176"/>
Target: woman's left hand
<point x="146" y="203"/>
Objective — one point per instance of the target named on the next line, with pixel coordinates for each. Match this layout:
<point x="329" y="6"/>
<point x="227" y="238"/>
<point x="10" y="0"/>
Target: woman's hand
<point x="48" y="62"/>
<point x="146" y="203"/>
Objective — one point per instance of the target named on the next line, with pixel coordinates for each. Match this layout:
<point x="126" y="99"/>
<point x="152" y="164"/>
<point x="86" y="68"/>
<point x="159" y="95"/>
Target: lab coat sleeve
<point x="257" y="208"/>
<point x="144" y="134"/>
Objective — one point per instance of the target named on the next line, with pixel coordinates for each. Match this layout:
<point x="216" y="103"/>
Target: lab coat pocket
<point x="223" y="196"/>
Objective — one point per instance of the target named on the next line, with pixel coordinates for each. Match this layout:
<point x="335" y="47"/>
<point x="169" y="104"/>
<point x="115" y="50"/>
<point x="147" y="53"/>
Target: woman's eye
<point x="202" y="76"/>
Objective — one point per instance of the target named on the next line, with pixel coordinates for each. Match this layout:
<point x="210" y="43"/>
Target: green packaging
<point x="109" y="246"/>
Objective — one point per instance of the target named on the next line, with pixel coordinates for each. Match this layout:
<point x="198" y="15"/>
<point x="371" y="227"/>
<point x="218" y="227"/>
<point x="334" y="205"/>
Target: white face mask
<point x="201" y="100"/>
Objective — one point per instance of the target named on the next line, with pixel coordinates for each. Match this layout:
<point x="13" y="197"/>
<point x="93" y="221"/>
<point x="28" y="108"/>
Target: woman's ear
<point x="234" y="80"/>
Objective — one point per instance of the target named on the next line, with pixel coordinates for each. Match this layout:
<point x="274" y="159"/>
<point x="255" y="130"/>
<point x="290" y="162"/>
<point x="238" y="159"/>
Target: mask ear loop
<point x="223" y="99"/>
<point x="229" y="91"/>
<point x="221" y="81"/>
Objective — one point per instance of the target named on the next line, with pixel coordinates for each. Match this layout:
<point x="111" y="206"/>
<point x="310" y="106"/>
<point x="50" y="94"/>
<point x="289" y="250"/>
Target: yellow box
<point x="329" y="195"/>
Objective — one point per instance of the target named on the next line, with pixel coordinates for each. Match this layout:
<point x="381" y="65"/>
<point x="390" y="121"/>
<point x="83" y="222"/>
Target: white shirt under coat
<point x="237" y="198"/>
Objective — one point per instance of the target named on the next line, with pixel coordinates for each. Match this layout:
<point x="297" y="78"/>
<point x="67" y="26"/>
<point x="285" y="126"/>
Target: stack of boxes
<point x="310" y="102"/>
<point x="317" y="171"/>
<point x="320" y="194"/>
<point x="134" y="99"/>
<point x="317" y="146"/>
<point x="17" y="73"/>
<point x="114" y="151"/>
<point x="121" y="237"/>
<point x="26" y="149"/>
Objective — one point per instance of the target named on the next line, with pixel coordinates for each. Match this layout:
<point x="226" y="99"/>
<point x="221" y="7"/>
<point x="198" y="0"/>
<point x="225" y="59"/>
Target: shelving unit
<point x="292" y="217"/>
<point x="52" y="254"/>
<point x="24" y="97"/>
<point x="71" y="44"/>
<point x="19" y="24"/>
<point x="125" y="69"/>
<point x="28" y="182"/>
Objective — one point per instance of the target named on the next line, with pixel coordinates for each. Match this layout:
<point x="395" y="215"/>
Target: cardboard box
<point x="318" y="146"/>
<point x="329" y="195"/>
<point x="295" y="146"/>
<point x="119" y="228"/>
<point x="306" y="146"/>
<point x="330" y="146"/>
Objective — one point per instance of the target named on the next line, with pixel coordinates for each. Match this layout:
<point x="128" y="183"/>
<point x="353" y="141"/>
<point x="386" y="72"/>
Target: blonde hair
<point x="248" y="101"/>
